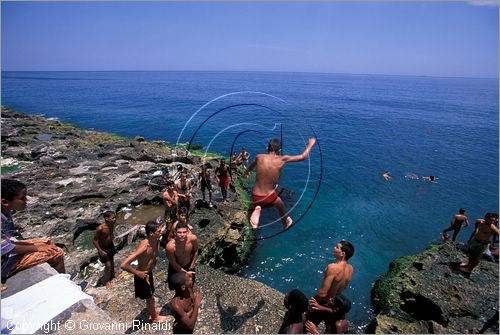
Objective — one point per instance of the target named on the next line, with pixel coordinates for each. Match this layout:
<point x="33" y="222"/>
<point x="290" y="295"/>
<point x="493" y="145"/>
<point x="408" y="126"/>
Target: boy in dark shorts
<point x="182" y="253"/>
<point x="147" y="254"/>
<point x="456" y="225"/>
<point x="205" y="184"/>
<point x="334" y="313"/>
<point x="103" y="241"/>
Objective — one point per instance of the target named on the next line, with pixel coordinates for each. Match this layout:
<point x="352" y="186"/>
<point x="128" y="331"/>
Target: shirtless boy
<point x="335" y="312"/>
<point x="170" y="199"/>
<point x="485" y="228"/>
<point x="185" y="304"/>
<point x="456" y="225"/>
<point x="182" y="253"/>
<point x="147" y="254"/>
<point x="205" y="184"/>
<point x="223" y="176"/>
<point x="20" y="254"/>
<point x="336" y="278"/>
<point x="296" y="304"/>
<point x="103" y="241"/>
<point x="184" y="190"/>
<point x="268" y="173"/>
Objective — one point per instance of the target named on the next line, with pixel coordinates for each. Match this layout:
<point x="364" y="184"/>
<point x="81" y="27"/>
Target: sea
<point x="365" y="125"/>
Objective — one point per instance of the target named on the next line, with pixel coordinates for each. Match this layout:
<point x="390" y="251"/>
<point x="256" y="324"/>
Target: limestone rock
<point x="428" y="287"/>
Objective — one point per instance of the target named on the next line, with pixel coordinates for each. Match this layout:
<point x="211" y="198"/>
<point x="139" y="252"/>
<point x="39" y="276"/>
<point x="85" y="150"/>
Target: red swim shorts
<point x="264" y="200"/>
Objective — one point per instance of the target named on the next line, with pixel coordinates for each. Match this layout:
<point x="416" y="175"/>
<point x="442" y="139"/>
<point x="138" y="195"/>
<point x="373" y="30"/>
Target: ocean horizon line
<point x="264" y="71"/>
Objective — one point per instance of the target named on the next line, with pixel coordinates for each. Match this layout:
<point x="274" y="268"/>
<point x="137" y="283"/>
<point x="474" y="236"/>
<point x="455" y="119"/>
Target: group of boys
<point x="479" y="241"/>
<point x="328" y="305"/>
<point x="182" y="254"/>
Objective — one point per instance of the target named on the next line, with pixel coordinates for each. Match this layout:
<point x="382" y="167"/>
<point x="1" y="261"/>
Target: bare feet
<point x="254" y="218"/>
<point x="117" y="275"/>
<point x="464" y="269"/>
<point x="108" y="285"/>
<point x="288" y="223"/>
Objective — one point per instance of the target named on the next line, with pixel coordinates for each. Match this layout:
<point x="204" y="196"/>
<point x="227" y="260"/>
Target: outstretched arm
<point x="466" y="222"/>
<point x="304" y="155"/>
<point x="494" y="229"/>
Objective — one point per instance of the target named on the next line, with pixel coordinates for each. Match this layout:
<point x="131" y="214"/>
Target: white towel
<point x="28" y="310"/>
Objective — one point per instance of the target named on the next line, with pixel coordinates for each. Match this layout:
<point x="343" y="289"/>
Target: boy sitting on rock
<point x="19" y="255"/>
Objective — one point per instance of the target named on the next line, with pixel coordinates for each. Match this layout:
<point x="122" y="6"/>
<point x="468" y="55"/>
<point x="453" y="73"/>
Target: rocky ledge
<point x="73" y="175"/>
<point x="426" y="293"/>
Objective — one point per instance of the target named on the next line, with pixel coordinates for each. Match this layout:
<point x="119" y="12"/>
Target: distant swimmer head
<point x="461" y="211"/>
<point x="274" y="146"/>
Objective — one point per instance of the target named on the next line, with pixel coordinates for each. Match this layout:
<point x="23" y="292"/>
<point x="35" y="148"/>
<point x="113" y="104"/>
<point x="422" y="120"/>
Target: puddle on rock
<point x="140" y="214"/>
<point x="84" y="240"/>
<point x="44" y="137"/>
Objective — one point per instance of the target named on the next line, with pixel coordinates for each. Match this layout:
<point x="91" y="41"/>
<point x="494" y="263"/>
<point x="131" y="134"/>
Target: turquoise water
<point x="365" y="125"/>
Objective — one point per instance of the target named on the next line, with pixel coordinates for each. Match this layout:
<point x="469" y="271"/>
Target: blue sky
<point x="417" y="38"/>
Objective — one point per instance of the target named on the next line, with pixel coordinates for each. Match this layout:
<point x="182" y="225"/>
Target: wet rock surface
<point x="426" y="293"/>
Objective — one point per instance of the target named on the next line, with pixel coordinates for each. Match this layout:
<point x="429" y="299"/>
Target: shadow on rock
<point x="230" y="322"/>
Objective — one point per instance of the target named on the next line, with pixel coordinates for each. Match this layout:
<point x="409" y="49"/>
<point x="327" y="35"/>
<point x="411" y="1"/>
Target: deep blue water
<point x="365" y="125"/>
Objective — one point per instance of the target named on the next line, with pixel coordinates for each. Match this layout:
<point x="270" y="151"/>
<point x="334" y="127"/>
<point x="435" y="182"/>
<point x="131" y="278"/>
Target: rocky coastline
<point x="73" y="175"/>
<point x="427" y="294"/>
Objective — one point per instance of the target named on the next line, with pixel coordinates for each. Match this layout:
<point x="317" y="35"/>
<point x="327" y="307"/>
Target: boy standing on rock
<point x="182" y="253"/>
<point x="205" y="184"/>
<point x="184" y="191"/>
<point x="224" y="177"/>
<point x="485" y="228"/>
<point x="336" y="278"/>
<point x="103" y="241"/>
<point x="456" y="225"/>
<point x="18" y="255"/>
<point x="147" y="254"/>
<point x="171" y="200"/>
<point x="268" y="173"/>
<point x="185" y="304"/>
<point x="296" y="304"/>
